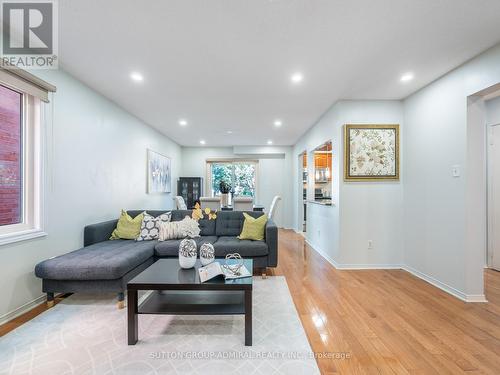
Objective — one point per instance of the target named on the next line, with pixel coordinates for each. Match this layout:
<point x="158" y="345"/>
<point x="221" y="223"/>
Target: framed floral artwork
<point x="371" y="152"/>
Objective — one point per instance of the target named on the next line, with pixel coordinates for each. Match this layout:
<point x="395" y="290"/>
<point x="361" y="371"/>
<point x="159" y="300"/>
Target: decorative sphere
<point x="234" y="262"/>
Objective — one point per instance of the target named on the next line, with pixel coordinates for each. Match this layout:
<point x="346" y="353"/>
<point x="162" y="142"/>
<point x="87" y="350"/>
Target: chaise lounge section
<point x="105" y="265"/>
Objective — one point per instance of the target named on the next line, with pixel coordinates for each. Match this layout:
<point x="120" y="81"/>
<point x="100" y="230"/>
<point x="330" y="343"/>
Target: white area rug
<point x="88" y="335"/>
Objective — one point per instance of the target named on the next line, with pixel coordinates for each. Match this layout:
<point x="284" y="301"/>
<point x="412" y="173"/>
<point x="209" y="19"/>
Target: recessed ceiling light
<point x="229" y="132"/>
<point x="269" y="142"/>
<point x="278" y="123"/>
<point x="183" y="122"/>
<point x="202" y="142"/>
<point x="297" y="77"/>
<point x="407" y="77"/>
<point x="137" y="77"/>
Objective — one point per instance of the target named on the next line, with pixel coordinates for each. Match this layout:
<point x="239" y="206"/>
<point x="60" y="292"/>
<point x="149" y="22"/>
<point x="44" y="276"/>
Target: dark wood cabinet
<point x="191" y="189"/>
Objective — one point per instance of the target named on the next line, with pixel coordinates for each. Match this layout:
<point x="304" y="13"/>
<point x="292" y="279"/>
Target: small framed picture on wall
<point x="371" y="152"/>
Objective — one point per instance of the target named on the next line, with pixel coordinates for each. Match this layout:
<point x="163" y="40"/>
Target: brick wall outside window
<point x="10" y="157"/>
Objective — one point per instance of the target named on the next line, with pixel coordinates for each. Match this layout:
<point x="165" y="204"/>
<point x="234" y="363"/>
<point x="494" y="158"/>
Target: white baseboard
<point x="438" y="284"/>
<point x="476" y="298"/>
<point x="356" y="266"/>
<point x="471" y="298"/>
<point x="22" y="309"/>
<point x="320" y="252"/>
<point x="445" y="287"/>
<point x="375" y="266"/>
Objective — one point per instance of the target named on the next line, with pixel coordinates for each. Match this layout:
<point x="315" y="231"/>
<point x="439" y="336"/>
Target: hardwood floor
<point x="21" y="319"/>
<point x="381" y="321"/>
<point x="389" y="321"/>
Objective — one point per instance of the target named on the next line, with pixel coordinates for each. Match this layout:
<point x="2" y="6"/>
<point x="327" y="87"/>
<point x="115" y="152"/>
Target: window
<point x="10" y="157"/>
<point x="239" y="174"/>
<point x="20" y="165"/>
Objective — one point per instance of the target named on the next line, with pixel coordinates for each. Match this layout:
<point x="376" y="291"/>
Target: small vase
<point x="207" y="254"/>
<point x="187" y="253"/>
<point x="224" y="200"/>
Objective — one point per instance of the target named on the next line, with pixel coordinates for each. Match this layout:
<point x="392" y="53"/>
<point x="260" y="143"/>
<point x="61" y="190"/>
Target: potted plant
<point x="224" y="188"/>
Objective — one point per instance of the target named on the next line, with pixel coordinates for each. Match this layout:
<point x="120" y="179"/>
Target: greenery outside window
<point x="240" y="174"/>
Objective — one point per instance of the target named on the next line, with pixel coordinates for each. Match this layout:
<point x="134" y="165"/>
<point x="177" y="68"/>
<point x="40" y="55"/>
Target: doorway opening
<point x="492" y="272"/>
<point x="483" y="194"/>
<point x="302" y="186"/>
<point x="494" y="196"/>
<point x="323" y="186"/>
<point x="492" y="108"/>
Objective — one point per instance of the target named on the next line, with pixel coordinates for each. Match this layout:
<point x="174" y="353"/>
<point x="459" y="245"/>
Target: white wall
<point x="361" y="211"/>
<point x="493" y="111"/>
<point x="444" y="221"/>
<point x="95" y="165"/>
<point x="432" y="223"/>
<point x="273" y="179"/>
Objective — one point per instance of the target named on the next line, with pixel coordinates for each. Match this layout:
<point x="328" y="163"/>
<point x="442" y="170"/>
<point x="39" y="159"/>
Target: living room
<point x="379" y="261"/>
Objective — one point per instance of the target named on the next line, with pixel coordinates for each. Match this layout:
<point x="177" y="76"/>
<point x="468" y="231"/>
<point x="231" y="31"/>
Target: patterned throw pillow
<point x="174" y="230"/>
<point x="150" y="227"/>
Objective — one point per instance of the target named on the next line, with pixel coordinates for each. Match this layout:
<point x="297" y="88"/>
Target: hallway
<point x="388" y="321"/>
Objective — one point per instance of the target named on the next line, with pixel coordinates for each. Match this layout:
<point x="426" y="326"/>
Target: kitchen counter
<point x="324" y="202"/>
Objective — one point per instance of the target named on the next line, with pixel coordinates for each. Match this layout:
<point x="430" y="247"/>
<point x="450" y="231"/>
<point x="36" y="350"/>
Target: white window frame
<point x="32" y="225"/>
<point x="208" y="173"/>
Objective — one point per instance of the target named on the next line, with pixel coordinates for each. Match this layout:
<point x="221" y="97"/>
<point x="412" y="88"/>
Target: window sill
<point x="21" y="236"/>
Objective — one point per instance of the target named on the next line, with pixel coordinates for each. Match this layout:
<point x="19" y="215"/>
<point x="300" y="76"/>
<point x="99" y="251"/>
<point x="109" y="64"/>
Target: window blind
<point x="28" y="83"/>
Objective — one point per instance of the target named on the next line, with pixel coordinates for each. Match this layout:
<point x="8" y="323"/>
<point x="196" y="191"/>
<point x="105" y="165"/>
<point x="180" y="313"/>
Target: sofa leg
<point x="264" y="273"/>
<point x="121" y="301"/>
<point x="50" y="299"/>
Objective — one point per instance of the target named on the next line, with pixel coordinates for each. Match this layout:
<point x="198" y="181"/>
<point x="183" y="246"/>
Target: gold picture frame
<point x="373" y="169"/>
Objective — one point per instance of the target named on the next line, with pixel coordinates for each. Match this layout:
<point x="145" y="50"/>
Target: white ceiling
<point x="225" y="64"/>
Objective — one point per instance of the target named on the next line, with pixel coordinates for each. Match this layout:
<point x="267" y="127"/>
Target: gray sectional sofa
<point x="104" y="265"/>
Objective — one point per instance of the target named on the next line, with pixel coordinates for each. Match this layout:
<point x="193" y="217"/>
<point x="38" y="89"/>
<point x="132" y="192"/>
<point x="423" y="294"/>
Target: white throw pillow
<point x="150" y="227"/>
<point x="170" y="231"/>
<point x="190" y="227"/>
<point x="174" y="230"/>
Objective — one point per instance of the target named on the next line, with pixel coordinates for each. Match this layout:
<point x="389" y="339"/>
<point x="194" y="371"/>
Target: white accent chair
<point x="274" y="205"/>
<point x="211" y="202"/>
<point x="243" y="204"/>
<point x="179" y="203"/>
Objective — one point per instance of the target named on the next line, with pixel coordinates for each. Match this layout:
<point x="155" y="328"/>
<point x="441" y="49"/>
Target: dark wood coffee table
<point x="179" y="292"/>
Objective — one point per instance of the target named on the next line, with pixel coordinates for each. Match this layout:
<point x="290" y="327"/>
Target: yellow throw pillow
<point x="253" y="229"/>
<point x="127" y="228"/>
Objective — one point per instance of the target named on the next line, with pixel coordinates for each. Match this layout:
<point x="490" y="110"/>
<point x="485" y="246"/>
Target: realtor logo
<point x="29" y="37"/>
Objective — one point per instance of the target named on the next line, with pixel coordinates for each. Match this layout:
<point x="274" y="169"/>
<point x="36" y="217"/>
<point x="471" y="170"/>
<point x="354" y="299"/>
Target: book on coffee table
<point x="215" y="269"/>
